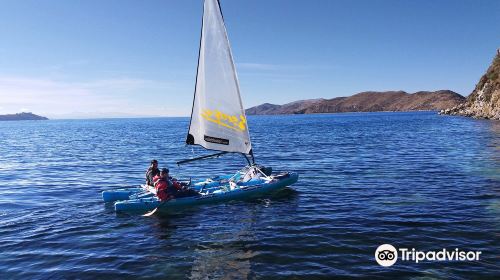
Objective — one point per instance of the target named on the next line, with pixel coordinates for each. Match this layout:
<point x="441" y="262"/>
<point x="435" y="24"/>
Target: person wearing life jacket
<point x="152" y="172"/>
<point x="165" y="188"/>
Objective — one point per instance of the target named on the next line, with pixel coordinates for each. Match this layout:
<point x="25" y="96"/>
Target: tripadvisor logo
<point x="387" y="255"/>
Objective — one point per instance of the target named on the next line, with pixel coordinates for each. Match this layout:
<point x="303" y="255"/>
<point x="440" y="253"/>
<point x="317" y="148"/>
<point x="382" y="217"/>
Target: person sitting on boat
<point x="164" y="187"/>
<point x="152" y="172"/>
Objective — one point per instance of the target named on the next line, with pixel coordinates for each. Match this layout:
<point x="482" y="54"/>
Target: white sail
<point x="218" y="120"/>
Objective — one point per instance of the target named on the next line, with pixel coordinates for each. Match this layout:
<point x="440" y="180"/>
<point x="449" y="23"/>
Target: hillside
<point x="21" y="117"/>
<point x="484" y="101"/>
<point x="369" y="101"/>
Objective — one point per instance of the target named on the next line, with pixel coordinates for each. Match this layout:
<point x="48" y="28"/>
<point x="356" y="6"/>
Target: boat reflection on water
<point x="226" y="256"/>
<point x="219" y="248"/>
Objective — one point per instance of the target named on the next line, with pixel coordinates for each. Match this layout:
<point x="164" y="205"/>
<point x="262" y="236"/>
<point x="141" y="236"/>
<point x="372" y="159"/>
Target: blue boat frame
<point x="149" y="201"/>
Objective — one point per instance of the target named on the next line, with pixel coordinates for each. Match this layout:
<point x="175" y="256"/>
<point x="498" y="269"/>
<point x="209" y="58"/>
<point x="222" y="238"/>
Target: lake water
<point x="414" y="180"/>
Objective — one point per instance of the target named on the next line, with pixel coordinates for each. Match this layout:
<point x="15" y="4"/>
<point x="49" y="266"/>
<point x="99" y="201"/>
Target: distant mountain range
<point x="21" y="117"/>
<point x="369" y="101"/>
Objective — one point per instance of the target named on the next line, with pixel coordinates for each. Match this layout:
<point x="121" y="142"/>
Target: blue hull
<point x="144" y="191"/>
<point x="251" y="189"/>
<point x="123" y="194"/>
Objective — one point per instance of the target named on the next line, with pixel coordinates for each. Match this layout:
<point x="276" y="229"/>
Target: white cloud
<point x="258" y="66"/>
<point x="50" y="97"/>
<point x="282" y="67"/>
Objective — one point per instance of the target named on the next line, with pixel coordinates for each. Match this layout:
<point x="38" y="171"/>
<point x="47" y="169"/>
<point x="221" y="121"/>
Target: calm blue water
<point x="415" y="180"/>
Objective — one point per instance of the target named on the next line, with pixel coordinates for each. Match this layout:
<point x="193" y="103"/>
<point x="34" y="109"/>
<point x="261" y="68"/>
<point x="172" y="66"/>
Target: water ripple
<point x="415" y="180"/>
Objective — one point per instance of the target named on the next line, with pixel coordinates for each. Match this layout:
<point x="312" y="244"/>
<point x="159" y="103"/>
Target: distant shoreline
<point x="187" y="117"/>
<point x="22" y="117"/>
<point x="353" y="112"/>
<point x="180" y="117"/>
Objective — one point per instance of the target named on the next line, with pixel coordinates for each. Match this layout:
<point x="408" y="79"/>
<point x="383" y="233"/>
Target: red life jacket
<point x="161" y="186"/>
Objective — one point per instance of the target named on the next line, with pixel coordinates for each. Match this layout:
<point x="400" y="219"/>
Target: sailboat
<point x="218" y="122"/>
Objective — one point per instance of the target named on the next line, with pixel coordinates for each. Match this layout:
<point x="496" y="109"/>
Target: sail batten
<point x="218" y="120"/>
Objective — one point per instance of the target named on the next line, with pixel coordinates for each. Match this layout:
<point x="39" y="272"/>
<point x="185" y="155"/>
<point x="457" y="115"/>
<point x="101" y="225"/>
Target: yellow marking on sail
<point x="225" y="120"/>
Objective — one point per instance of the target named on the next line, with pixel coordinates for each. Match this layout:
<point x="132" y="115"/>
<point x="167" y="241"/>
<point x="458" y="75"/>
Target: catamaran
<point x="218" y="123"/>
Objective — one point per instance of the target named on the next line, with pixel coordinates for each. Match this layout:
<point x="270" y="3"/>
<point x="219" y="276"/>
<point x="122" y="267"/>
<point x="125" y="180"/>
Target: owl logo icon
<point x="386" y="255"/>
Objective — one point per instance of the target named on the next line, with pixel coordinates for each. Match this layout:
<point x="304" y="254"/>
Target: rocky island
<point x="369" y="101"/>
<point x="21" y="117"/>
<point x="484" y="101"/>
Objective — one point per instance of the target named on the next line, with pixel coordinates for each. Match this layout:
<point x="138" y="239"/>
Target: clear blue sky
<point x="123" y="58"/>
